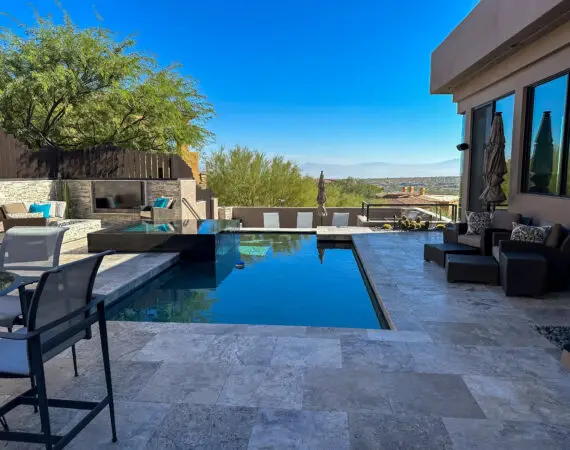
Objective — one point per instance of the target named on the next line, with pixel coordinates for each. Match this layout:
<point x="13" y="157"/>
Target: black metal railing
<point x="437" y="206"/>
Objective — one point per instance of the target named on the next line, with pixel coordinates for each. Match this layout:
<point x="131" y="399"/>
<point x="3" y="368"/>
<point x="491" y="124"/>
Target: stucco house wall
<point x="535" y="58"/>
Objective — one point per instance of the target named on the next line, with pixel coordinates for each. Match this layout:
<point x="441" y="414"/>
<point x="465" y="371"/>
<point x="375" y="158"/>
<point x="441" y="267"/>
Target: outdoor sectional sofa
<point x="555" y="250"/>
<point x="524" y="268"/>
<point x="77" y="228"/>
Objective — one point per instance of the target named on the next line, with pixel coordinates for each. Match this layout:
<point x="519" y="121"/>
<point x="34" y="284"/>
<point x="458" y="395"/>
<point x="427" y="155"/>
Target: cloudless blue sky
<point x="343" y="81"/>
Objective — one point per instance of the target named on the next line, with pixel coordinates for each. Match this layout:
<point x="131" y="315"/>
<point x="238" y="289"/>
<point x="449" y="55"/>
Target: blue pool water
<point x="287" y="280"/>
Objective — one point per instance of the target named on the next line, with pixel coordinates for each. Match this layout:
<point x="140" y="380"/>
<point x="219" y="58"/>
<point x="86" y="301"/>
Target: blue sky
<point x="335" y="81"/>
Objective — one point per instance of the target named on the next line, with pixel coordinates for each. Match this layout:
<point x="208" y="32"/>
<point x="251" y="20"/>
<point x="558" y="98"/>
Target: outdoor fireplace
<point x="118" y="195"/>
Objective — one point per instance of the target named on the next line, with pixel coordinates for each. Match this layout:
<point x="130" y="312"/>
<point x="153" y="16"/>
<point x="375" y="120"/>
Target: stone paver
<point x="398" y="432"/>
<point x="284" y="429"/>
<point x="464" y="370"/>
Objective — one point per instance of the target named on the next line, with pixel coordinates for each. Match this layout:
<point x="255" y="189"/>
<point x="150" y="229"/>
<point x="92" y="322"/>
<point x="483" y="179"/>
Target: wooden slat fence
<point x="105" y="162"/>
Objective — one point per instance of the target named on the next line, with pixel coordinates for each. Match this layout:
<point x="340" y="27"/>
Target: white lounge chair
<point x="304" y="220"/>
<point x="340" y="219"/>
<point x="271" y="220"/>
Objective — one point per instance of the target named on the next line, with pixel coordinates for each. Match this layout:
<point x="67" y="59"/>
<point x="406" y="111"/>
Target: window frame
<point x="529" y="93"/>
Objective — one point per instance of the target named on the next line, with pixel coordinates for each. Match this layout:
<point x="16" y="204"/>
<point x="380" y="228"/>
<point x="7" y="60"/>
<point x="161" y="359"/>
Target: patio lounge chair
<point x="555" y="251"/>
<point x="501" y="221"/>
<point x="340" y="219"/>
<point x="160" y="211"/>
<point x="53" y="325"/>
<point x="304" y="220"/>
<point x="271" y="220"/>
<point x="27" y="251"/>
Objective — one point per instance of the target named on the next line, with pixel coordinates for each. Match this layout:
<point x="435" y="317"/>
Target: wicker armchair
<point x="558" y="259"/>
<point x="456" y="233"/>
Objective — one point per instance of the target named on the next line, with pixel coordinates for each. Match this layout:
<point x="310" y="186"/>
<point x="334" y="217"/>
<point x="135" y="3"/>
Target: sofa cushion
<point x="556" y="236"/>
<point x="18" y="207"/>
<point x="504" y="219"/>
<point x="28" y="215"/>
<point x="527" y="233"/>
<point x="477" y="222"/>
<point x="473" y="240"/>
<point x="496" y="252"/>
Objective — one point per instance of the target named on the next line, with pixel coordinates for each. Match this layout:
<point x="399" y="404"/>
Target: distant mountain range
<point x="383" y="170"/>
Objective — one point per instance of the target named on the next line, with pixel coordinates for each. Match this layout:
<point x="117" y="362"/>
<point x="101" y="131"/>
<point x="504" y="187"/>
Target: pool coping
<point x="385" y="313"/>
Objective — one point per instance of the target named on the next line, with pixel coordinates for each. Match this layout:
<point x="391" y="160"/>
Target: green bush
<point x="418" y="219"/>
<point x="386" y="226"/>
<point x="426" y="225"/>
<point x="440" y="227"/>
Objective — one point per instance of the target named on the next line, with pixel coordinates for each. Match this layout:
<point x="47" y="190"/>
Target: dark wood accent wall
<point x="102" y="162"/>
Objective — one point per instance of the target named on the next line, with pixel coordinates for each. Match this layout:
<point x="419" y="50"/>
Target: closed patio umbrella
<point x="495" y="164"/>
<point x="321" y="198"/>
<point x="321" y="252"/>
<point x="542" y="160"/>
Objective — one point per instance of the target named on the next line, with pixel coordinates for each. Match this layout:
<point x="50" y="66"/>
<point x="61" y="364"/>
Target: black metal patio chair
<point x="62" y="311"/>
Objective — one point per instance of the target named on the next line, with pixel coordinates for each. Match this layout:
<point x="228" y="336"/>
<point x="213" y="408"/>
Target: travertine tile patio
<point x="465" y="370"/>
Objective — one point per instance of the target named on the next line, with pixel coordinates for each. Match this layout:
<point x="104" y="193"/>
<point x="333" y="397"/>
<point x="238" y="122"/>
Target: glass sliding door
<point x="482" y="120"/>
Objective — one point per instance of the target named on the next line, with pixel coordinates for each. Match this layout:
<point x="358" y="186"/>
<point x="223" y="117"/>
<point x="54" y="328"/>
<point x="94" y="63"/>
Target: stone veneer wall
<point x="27" y="191"/>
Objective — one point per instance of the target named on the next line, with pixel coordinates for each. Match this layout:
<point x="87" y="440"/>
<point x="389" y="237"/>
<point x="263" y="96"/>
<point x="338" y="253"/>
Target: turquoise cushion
<point x="160" y="202"/>
<point x="43" y="208"/>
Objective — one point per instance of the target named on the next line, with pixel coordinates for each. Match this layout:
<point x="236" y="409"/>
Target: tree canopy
<point x="64" y="86"/>
<point x="243" y="177"/>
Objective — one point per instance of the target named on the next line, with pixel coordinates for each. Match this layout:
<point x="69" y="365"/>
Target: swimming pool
<point x="287" y="279"/>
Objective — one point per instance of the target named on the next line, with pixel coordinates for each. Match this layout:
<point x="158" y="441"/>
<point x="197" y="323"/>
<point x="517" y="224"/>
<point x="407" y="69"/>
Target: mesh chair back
<point x="304" y="220"/>
<point x="60" y="292"/>
<point x="340" y="219"/>
<point x="31" y="248"/>
<point x="271" y="220"/>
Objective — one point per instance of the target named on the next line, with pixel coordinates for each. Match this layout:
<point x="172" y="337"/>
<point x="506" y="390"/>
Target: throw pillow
<point x="169" y="202"/>
<point x="58" y="209"/>
<point x="477" y="222"/>
<point x="27" y="215"/>
<point x="43" y="208"/>
<point x="160" y="202"/>
<point x="527" y="233"/>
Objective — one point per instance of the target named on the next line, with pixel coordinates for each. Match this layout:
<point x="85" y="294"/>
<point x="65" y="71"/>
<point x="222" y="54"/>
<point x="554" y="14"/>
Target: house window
<point x="546" y="150"/>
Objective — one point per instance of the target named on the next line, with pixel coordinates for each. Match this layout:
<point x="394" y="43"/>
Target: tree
<point x="352" y="185"/>
<point x="243" y="177"/>
<point x="74" y="88"/>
